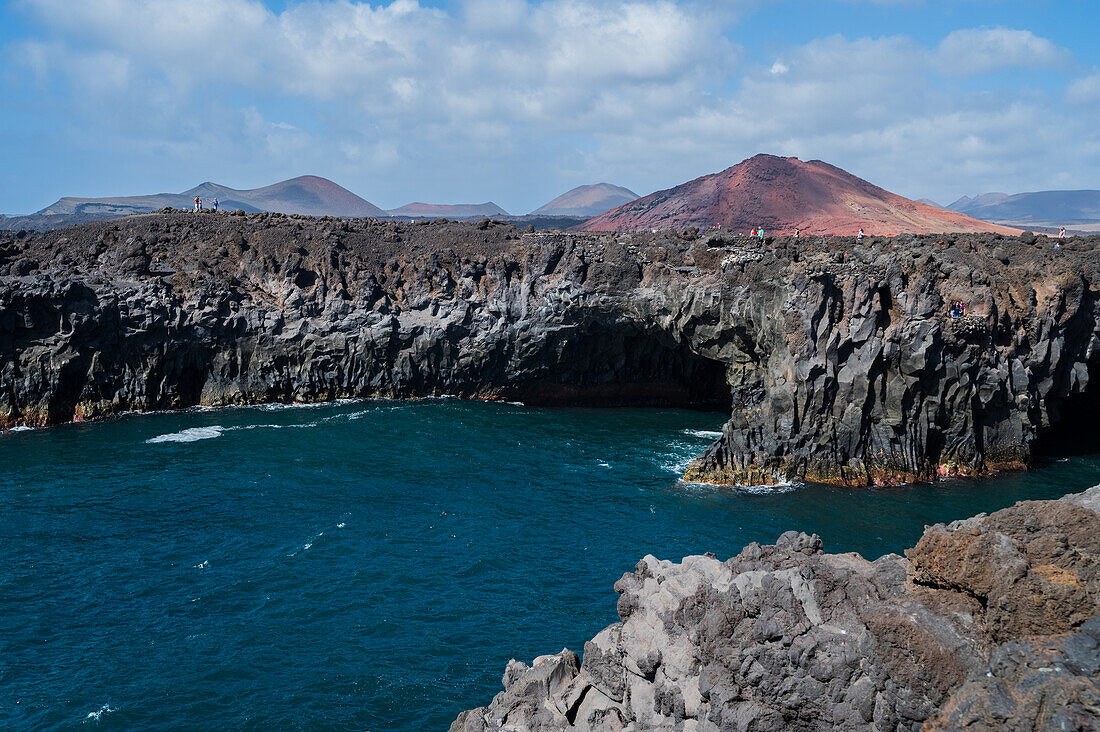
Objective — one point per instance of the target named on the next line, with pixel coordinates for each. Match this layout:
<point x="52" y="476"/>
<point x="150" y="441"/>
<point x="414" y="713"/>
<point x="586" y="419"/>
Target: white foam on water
<point x="280" y="406"/>
<point x="20" y="428"/>
<point x="680" y="457"/>
<point x="205" y="564"/>
<point x="341" y="525"/>
<point x="191" y="434"/>
<point x="95" y="716"/>
<point x="516" y="404"/>
<point x="757" y="490"/>
<point x="602" y="464"/>
<point x="708" y="434"/>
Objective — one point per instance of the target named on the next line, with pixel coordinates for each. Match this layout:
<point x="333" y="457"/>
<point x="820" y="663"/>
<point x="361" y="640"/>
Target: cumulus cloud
<point x="985" y="50"/>
<point x="517" y="99"/>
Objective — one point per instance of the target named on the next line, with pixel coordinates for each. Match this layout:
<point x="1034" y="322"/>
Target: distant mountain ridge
<point x="782" y="194"/>
<point x="588" y="200"/>
<point x="1048" y="208"/>
<point x="310" y="195"/>
<point x="448" y="210"/>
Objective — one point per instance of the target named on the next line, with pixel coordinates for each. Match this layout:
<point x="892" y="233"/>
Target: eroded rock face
<point x="837" y="360"/>
<point x="786" y="637"/>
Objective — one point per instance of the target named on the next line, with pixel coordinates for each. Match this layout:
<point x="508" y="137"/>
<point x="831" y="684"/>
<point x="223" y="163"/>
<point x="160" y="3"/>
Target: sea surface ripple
<point x="368" y="565"/>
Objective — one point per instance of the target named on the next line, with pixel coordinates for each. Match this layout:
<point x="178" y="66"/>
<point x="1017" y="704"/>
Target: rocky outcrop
<point x="989" y="623"/>
<point x="837" y="359"/>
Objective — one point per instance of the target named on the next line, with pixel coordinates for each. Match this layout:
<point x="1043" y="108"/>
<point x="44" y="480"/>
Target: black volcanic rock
<point x="786" y="637"/>
<point x="837" y="359"/>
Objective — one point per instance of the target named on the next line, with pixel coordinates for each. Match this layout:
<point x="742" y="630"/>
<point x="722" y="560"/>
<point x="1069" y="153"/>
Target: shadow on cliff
<point x="1075" y="422"/>
<point x="603" y="365"/>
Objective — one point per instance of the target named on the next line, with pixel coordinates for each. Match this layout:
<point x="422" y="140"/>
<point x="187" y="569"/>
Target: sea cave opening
<point x="1075" y="422"/>
<point x="624" y="366"/>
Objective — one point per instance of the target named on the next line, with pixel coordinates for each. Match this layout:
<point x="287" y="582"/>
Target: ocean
<point x="369" y="564"/>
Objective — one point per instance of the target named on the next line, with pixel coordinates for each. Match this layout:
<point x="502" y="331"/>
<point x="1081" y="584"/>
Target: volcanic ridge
<point x="784" y="194"/>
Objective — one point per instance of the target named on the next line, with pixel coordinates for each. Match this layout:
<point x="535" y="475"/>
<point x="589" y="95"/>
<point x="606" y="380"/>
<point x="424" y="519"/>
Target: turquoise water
<point x="367" y="565"/>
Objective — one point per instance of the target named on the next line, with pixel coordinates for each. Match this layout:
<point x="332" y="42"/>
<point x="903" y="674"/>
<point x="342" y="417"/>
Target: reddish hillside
<point x="782" y="194"/>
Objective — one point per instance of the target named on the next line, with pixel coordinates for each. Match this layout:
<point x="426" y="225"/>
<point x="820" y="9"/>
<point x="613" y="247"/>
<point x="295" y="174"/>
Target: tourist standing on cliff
<point x="214" y="204"/>
<point x="859" y="236"/>
<point x="760" y="232"/>
<point x="1062" y="233"/>
<point x="198" y="204"/>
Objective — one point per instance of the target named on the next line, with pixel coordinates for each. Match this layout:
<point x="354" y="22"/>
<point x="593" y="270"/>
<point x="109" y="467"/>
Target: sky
<point x="517" y="101"/>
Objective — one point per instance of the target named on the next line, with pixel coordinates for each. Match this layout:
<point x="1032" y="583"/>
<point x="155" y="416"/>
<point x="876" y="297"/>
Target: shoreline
<point x="836" y="360"/>
<point x="984" y="620"/>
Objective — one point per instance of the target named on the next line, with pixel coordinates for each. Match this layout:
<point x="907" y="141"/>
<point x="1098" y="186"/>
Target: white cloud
<point x="1085" y="91"/>
<point x="984" y="50"/>
<point x="517" y="99"/>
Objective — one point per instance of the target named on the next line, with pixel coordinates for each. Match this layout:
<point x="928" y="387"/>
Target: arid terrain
<point x="784" y="194"/>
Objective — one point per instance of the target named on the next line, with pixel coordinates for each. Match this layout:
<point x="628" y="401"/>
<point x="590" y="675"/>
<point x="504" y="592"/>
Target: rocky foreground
<point x="987" y="624"/>
<point x="837" y="360"/>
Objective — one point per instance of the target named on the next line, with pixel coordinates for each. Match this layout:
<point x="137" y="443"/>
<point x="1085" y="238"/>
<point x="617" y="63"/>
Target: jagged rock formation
<point x="836" y="358"/>
<point x="989" y="623"/>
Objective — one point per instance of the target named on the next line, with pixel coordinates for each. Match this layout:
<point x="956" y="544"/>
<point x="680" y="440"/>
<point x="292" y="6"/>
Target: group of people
<point x="757" y="232"/>
<point x="957" y="309"/>
<point x="213" y="204"/>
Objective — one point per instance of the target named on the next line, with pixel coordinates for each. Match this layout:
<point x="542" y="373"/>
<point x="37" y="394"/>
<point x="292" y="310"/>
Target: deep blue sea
<point x="367" y="565"/>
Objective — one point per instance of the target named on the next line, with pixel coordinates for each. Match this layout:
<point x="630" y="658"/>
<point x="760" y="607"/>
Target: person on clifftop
<point x="1062" y="233"/>
<point x="859" y="236"/>
<point x="760" y="232"/>
<point x="796" y="233"/>
<point x="214" y="204"/>
<point x="753" y="232"/>
<point x="198" y="204"/>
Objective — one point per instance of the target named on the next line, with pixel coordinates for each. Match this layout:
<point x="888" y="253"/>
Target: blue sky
<point x="515" y="101"/>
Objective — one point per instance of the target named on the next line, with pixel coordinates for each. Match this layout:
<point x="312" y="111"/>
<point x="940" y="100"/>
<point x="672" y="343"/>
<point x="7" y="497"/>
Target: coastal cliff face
<point x="836" y="360"/>
<point x="989" y="623"/>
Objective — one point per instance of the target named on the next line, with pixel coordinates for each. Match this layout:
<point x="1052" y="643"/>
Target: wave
<point x="191" y="434"/>
<point x="95" y="716"/>
<point x="19" y="428"/>
<point x="708" y="434"/>
<point x="194" y="434"/>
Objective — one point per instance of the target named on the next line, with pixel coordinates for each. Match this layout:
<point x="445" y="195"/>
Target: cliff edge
<point x="838" y="361"/>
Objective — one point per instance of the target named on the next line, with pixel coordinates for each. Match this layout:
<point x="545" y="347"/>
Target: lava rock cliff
<point x="836" y="359"/>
